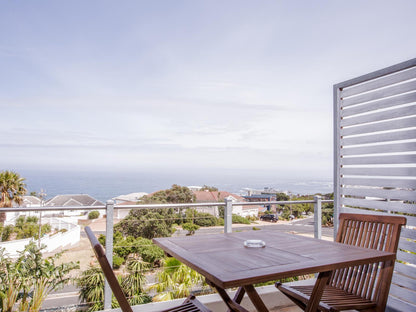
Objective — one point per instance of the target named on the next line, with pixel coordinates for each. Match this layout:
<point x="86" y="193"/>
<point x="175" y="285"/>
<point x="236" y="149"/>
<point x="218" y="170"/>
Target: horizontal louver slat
<point x="378" y="160"/>
<point x="380" y="193"/>
<point x="402" y="292"/>
<point x="396" y="206"/>
<point x="377" y="149"/>
<point x="408" y="245"/>
<point x="379" y="83"/>
<point x="392" y="171"/>
<point x="381" y="104"/>
<point x="379" y="116"/>
<point x="404" y="281"/>
<point x="405" y="269"/>
<point x="380" y="137"/>
<point x="379" y="94"/>
<point x="396" y="183"/>
<point x="409" y="233"/>
<point x="394" y="124"/>
<point x="405" y="257"/>
<point x="397" y="305"/>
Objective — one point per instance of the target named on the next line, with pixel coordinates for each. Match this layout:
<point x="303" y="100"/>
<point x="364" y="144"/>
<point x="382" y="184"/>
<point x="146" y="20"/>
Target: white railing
<point x="50" y="241"/>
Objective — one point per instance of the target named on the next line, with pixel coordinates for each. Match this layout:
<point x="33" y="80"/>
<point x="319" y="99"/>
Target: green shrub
<point x="240" y="219"/>
<point x="327" y="216"/>
<point x="285" y="215"/>
<point x="152" y="254"/>
<point x="20" y="221"/>
<point x="32" y="219"/>
<point x="46" y="228"/>
<point x="117" y="261"/>
<point x="7" y="231"/>
<point x="28" y="230"/>
<point x="125" y="246"/>
<point x="251" y="218"/>
<point x="101" y="239"/>
<point x="205" y="219"/>
<point x="93" y="215"/>
<point x="144" y="247"/>
<point x="190" y="227"/>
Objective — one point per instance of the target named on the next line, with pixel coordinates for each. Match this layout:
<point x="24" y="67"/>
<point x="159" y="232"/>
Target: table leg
<point x="317" y="291"/>
<point x="238" y="297"/>
<point x="231" y="304"/>
<point x="255" y="298"/>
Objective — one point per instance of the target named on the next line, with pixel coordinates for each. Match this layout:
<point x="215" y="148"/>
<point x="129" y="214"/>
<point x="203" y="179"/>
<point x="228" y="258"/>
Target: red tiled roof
<point x="207" y="196"/>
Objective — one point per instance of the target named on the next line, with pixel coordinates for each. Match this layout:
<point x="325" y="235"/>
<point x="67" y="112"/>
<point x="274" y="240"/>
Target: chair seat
<point x="333" y="299"/>
<point x="191" y="304"/>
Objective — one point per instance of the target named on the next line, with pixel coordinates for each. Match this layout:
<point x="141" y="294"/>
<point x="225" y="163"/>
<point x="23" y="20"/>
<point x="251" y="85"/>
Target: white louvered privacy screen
<point x="375" y="160"/>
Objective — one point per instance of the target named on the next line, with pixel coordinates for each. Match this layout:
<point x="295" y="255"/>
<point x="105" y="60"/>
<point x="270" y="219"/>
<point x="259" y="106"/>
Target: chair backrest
<point x="108" y="271"/>
<point x="379" y="232"/>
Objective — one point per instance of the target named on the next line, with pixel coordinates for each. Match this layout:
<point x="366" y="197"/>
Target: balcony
<point x="268" y="293"/>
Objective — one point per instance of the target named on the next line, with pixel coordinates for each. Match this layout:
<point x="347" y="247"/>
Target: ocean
<point x="104" y="185"/>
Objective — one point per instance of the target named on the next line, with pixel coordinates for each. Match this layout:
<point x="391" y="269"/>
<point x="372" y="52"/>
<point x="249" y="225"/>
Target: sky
<point x="185" y="85"/>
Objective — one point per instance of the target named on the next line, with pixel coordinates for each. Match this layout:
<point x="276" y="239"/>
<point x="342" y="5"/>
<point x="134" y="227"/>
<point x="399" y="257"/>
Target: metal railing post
<point x="228" y="215"/>
<point x="108" y="249"/>
<point x="317" y="215"/>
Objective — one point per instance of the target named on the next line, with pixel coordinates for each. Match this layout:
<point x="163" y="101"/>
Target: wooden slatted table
<point x="226" y="263"/>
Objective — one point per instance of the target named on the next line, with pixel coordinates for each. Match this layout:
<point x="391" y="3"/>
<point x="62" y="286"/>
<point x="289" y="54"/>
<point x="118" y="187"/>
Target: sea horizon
<point x="104" y="185"/>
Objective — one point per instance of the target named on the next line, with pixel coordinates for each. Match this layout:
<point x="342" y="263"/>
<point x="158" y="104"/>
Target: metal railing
<point x="227" y="204"/>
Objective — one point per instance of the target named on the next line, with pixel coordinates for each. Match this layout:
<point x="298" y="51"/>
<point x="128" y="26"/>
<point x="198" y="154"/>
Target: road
<point x="69" y="295"/>
<point x="63" y="298"/>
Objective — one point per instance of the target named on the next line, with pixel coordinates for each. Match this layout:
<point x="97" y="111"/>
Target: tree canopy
<point x="209" y="188"/>
<point x="150" y="223"/>
<point x="176" y="194"/>
<point x="147" y="223"/>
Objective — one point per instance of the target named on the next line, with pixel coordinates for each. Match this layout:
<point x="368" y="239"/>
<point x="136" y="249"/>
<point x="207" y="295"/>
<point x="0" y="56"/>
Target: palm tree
<point x="12" y="189"/>
<point x="176" y="281"/>
<point x="91" y="285"/>
<point x="133" y="284"/>
<point x="30" y="278"/>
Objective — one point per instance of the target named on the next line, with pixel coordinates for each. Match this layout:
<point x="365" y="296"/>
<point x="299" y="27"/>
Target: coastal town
<point x="35" y="227"/>
<point x="71" y="218"/>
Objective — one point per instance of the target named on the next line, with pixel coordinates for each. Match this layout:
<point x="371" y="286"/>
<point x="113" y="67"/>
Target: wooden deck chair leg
<point x="298" y="302"/>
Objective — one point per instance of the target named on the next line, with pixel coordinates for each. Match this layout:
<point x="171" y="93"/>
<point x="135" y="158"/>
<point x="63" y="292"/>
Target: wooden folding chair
<point x="363" y="287"/>
<point x="191" y="304"/>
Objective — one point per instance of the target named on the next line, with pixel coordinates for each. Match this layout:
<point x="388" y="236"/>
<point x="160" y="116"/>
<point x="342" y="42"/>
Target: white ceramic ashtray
<point x="254" y="243"/>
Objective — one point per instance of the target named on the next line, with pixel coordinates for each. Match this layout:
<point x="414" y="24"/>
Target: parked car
<point x="269" y="217"/>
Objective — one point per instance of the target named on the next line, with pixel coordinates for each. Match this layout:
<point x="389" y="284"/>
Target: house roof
<point x="207" y="196"/>
<point x="216" y="196"/>
<point x="73" y="200"/>
<point x="31" y="200"/>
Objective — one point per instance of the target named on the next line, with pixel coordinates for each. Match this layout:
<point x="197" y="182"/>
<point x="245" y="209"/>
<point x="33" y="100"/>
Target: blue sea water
<point x="104" y="185"/>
